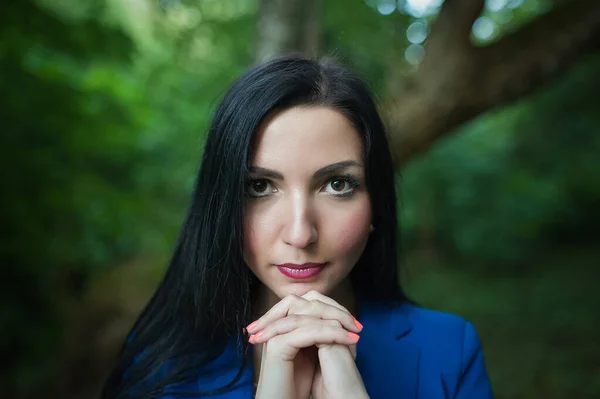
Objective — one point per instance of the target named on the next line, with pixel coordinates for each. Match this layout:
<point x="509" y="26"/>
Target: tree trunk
<point x="288" y="26"/>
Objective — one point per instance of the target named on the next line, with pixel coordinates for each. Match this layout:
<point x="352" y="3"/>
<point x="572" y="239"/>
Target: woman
<point x="284" y="279"/>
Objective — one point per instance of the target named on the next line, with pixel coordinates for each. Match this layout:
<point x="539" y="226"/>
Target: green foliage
<point x="537" y="327"/>
<point x="515" y="180"/>
<point x="366" y="40"/>
<point x="105" y="109"/>
<point x="102" y="136"/>
<point x="63" y="155"/>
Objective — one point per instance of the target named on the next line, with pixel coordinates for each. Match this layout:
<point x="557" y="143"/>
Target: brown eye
<point x="342" y="186"/>
<point x="258" y="188"/>
<point x="338" y="185"/>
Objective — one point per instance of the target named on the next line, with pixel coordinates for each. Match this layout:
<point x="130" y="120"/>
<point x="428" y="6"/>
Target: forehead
<point x="305" y="138"/>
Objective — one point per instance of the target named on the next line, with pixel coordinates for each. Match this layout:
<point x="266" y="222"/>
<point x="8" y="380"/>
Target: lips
<point x="300" y="272"/>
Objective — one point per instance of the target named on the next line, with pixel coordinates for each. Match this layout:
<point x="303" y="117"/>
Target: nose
<point x="300" y="229"/>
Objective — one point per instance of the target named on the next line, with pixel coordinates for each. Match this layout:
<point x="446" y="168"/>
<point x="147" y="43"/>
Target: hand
<point x="337" y="375"/>
<point x="284" y="379"/>
<point x="289" y="350"/>
<point x="323" y="317"/>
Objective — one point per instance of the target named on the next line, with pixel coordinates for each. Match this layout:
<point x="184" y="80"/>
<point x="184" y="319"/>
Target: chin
<point x="300" y="289"/>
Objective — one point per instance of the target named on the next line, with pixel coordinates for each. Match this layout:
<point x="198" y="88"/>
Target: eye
<point x="259" y="188"/>
<point x="338" y="185"/>
<point x="341" y="186"/>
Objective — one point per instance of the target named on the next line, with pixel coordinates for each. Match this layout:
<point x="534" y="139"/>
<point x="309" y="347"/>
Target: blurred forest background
<point x="493" y="109"/>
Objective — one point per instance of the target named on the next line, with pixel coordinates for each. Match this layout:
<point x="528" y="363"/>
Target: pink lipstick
<point x="300" y="272"/>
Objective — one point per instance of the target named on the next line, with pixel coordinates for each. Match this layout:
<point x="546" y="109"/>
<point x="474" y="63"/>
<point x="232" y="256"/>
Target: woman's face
<point x="307" y="212"/>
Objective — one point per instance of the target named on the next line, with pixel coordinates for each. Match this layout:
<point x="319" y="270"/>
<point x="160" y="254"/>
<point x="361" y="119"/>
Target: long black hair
<point x="204" y="298"/>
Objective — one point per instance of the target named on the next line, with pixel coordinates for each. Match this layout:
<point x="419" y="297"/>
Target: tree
<point x="456" y="80"/>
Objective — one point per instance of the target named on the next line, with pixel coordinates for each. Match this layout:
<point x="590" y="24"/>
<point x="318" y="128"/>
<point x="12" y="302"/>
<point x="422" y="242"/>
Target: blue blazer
<point x="405" y="352"/>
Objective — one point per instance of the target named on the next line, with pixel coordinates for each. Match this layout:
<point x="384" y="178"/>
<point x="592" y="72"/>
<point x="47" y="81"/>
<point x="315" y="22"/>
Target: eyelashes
<point x="338" y="186"/>
<point x="350" y="183"/>
<point x="257" y="188"/>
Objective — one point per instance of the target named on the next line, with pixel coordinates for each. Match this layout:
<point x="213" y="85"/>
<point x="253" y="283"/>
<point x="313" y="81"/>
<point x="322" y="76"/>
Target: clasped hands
<point x="309" y="350"/>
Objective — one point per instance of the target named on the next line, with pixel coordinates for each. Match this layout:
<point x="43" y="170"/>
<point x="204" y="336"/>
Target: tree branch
<point x="451" y="29"/>
<point x="463" y="82"/>
<point x="522" y="61"/>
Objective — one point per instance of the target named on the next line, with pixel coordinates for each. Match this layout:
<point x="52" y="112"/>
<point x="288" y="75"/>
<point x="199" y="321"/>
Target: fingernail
<point x="353" y="336"/>
<point x="358" y="324"/>
<point x="251" y="326"/>
<point x="252" y="338"/>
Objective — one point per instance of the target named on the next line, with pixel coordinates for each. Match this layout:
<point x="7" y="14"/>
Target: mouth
<point x="300" y="272"/>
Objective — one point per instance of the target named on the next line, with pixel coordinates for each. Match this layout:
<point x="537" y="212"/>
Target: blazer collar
<point x="394" y="319"/>
<point x="386" y="359"/>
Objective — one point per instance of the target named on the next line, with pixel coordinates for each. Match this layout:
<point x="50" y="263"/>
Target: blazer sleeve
<point x="474" y="381"/>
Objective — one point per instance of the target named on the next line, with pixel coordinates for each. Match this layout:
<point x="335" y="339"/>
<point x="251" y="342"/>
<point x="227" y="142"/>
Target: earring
<point x="371" y="228"/>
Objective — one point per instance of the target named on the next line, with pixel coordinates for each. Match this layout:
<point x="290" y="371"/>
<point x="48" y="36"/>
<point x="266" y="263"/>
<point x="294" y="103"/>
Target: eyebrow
<point x="324" y="171"/>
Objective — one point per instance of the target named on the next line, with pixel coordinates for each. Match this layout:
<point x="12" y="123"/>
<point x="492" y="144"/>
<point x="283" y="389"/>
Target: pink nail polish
<point x="358" y="324"/>
<point x="251" y="326"/>
<point x="353" y="336"/>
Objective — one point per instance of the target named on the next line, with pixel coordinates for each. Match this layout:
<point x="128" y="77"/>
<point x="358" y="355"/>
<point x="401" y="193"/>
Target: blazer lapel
<point x="388" y="363"/>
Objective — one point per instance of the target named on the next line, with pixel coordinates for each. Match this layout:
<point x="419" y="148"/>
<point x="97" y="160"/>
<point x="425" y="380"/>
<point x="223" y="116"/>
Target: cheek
<point x="352" y="230"/>
<point x="256" y="233"/>
<point x="251" y="242"/>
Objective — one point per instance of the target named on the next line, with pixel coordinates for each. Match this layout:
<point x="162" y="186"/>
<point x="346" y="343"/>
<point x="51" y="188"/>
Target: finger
<point x="306" y="336"/>
<point x="316" y="295"/>
<point x="289" y="324"/>
<point x="278" y="311"/>
<point x="322" y="310"/>
<point x="297" y="305"/>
